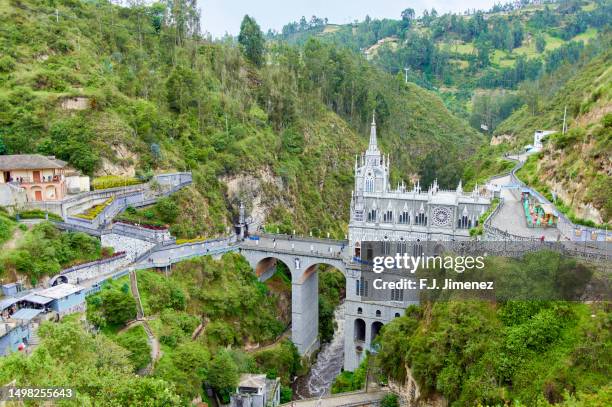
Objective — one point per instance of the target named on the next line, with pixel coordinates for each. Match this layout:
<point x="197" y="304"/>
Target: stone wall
<point x="74" y="275"/>
<point x="131" y="246"/>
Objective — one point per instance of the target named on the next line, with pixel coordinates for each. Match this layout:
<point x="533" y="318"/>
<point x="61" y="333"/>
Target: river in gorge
<point x="327" y="366"/>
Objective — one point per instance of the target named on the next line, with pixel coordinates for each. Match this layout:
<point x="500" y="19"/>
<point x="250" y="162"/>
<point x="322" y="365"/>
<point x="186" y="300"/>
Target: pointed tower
<point x="372" y="176"/>
<point x="373" y="153"/>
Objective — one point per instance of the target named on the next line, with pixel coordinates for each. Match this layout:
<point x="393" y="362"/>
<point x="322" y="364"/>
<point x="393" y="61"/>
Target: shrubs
<point x="282" y="361"/>
<point x="135" y="341"/>
<point x="113" y="306"/>
<point x="39" y="214"/>
<point x="165" y="211"/>
<point x="7" y="225"/>
<point x="94" y="211"/>
<point x="113" y="181"/>
<point x="350" y="381"/>
<point x="44" y="250"/>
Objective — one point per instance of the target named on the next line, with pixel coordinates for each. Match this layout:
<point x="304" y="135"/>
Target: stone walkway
<point x="511" y="216"/>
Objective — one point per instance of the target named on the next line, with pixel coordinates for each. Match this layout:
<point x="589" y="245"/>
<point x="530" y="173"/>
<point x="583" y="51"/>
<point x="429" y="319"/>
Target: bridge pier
<point x="305" y="313"/>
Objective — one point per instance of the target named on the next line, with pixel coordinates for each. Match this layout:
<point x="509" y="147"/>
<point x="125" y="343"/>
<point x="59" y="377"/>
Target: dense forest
<point x="470" y="56"/>
<point x="131" y="90"/>
<point x="509" y="71"/>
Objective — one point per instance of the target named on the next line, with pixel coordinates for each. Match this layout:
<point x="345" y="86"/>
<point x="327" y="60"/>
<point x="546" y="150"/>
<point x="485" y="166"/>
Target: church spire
<point x="373" y="143"/>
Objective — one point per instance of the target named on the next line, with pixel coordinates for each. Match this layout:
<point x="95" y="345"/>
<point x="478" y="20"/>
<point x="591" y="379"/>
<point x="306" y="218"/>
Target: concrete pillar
<point x="305" y="312"/>
<point x="352" y="358"/>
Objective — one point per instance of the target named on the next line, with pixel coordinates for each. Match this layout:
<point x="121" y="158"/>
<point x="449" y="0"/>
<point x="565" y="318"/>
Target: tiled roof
<point x="29" y="162"/>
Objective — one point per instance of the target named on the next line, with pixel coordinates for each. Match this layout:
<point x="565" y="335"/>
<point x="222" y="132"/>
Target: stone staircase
<point x="136" y="294"/>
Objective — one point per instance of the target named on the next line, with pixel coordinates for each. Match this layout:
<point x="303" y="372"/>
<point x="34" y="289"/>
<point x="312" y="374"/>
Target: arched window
<point x="388" y="217"/>
<point x="378" y="313"/>
<point x="404" y="218"/>
<point x="397" y="295"/>
<point x="369" y="185"/>
<point x="361" y="287"/>
<point x="397" y="315"/>
<point x="359" y="329"/>
<point x="359" y="311"/>
<point x="401" y="247"/>
<point x="376" y="327"/>
<point x="372" y="215"/>
<point x="386" y="247"/>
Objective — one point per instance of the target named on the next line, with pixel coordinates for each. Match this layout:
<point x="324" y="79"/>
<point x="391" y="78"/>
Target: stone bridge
<point x="301" y="256"/>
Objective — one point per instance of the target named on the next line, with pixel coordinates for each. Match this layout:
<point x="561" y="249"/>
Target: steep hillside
<point x="522" y="353"/>
<point x="117" y="90"/>
<point x="577" y="165"/>
<point x="465" y="55"/>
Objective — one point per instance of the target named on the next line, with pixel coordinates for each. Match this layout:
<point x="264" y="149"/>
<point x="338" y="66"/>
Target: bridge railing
<point x="283" y="236"/>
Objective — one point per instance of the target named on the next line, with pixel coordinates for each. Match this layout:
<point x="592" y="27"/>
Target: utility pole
<point x="564" y="117"/>
<point x="56" y="16"/>
<point x="406" y="69"/>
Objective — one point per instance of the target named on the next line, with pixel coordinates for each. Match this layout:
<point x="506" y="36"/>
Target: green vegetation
<point x="282" y="360"/>
<point x="158" y="97"/>
<point x="351" y="381"/>
<point x="332" y="287"/>
<point x="99" y="370"/>
<point x="44" y="251"/>
<point x="7" y="226"/>
<point x="478" y="230"/>
<point x="458" y="54"/>
<point x="165" y="212"/>
<point x="526" y="352"/>
<point x="487" y="162"/>
<point x="135" y="341"/>
<point x="202" y="314"/>
<point x="39" y="214"/>
<point x="390" y="400"/>
<point x="113" y="181"/>
<point x="95" y="210"/>
<point x="573" y="164"/>
<point x="112" y="306"/>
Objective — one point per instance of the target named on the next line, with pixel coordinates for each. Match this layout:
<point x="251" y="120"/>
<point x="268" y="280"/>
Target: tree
<point x="223" y="373"/>
<point x="540" y="43"/>
<point x="407" y="17"/>
<point x="252" y="40"/>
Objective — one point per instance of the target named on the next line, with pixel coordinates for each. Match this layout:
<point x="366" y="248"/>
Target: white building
<point x="380" y="213"/>
<point x="538" y="138"/>
<point x="255" y="390"/>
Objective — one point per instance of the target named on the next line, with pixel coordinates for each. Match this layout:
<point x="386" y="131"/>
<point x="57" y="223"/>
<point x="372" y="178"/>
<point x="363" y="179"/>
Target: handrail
<point x="563" y="223"/>
<point x="300" y="238"/>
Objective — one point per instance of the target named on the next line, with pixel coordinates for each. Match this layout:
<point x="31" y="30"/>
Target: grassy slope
<point x="205" y="114"/>
<point x="577" y="165"/>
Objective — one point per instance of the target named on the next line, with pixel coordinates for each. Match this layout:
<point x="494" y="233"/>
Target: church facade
<point x="381" y="213"/>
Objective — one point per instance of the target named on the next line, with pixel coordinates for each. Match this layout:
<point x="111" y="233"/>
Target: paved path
<point x="511" y="216"/>
<point x="285" y="243"/>
<point x="337" y="400"/>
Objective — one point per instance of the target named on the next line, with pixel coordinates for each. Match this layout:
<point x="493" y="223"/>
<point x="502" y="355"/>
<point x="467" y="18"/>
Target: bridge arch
<point x="376" y="327"/>
<point x="303" y="259"/>
<point x="265" y="267"/>
<point x="359" y="330"/>
<point x="59" y="279"/>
